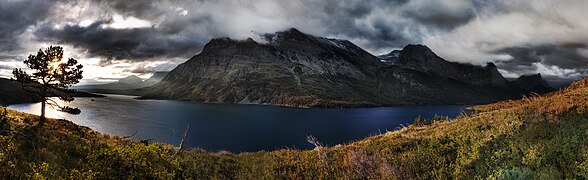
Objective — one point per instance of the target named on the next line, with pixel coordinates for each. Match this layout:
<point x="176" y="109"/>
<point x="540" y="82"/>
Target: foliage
<point x="533" y="138"/>
<point x="51" y="77"/>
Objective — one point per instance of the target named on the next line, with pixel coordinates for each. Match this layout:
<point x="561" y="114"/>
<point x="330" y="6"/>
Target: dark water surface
<point x="236" y="128"/>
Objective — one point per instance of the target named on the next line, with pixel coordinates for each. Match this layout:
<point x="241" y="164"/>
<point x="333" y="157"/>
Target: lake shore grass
<point x="543" y="137"/>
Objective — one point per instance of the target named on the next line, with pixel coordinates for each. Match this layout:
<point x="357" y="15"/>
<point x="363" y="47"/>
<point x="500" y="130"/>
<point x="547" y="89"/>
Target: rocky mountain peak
<point x="416" y="48"/>
<point x="417" y="54"/>
<point x="531" y="77"/>
<point x="220" y="45"/>
<point x="291" y="34"/>
<point x="533" y="83"/>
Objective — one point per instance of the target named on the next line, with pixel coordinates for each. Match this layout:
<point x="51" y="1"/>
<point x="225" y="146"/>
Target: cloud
<point x="518" y="24"/>
<point x="5" y="67"/>
<point x="134" y="36"/>
<point x="135" y="44"/>
<point x="16" y="16"/>
<point x="151" y="67"/>
<point x="446" y="14"/>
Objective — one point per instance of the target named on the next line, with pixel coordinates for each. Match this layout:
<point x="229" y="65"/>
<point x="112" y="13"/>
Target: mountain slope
<point x="155" y="78"/>
<point x="300" y="70"/>
<point x="533" y="83"/>
<point x="533" y="138"/>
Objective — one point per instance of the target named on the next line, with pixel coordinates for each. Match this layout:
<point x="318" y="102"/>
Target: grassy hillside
<point x="536" y="137"/>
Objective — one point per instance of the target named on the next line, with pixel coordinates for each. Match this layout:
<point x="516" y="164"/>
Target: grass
<point x="540" y="137"/>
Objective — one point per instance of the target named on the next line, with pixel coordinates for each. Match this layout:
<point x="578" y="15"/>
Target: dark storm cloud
<point x="176" y="35"/>
<point x="559" y="64"/>
<point x="565" y="56"/>
<point x="360" y="20"/>
<point x="136" y="44"/>
<point x="16" y="17"/>
<point x="137" y="8"/>
<point x="440" y="14"/>
<point x="521" y="36"/>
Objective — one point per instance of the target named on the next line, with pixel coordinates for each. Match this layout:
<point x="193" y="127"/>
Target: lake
<point x="236" y="127"/>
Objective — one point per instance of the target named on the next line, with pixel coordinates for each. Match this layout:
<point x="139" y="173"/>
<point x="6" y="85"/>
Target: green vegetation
<point x="536" y="137"/>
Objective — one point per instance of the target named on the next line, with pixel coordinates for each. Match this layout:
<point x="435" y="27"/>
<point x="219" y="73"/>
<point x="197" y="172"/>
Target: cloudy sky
<point x="117" y="38"/>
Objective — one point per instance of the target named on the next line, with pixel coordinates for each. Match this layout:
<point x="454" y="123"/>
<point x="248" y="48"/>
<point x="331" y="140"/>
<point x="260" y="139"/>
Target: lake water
<point x="233" y="127"/>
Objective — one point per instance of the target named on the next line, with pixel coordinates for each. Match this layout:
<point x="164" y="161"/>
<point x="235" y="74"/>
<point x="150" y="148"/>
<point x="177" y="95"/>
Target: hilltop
<point x="541" y="137"/>
<point x="11" y="92"/>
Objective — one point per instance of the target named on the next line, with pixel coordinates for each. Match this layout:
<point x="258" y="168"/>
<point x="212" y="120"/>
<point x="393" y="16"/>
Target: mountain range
<point x="291" y="68"/>
<point x="127" y="83"/>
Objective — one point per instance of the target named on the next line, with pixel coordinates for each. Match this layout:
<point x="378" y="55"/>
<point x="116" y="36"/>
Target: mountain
<point x="295" y="69"/>
<point x="155" y="78"/>
<point x="390" y="57"/>
<point x="533" y="83"/>
<point x="127" y="83"/>
<point x="11" y="92"/>
<point x="130" y="80"/>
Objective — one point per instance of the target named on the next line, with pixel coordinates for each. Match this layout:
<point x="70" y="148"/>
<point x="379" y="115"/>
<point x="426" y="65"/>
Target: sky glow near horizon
<point x="115" y="39"/>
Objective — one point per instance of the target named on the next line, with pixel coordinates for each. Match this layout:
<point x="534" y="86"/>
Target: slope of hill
<point x="301" y="70"/>
<point x="541" y="137"/>
<point x="11" y="92"/>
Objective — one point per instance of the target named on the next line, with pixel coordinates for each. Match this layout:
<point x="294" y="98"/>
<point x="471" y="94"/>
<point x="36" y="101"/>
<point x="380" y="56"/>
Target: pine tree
<point x="52" y="77"/>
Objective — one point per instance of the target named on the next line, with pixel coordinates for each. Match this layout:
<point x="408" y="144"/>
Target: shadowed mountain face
<point x="296" y="69"/>
<point x="533" y="83"/>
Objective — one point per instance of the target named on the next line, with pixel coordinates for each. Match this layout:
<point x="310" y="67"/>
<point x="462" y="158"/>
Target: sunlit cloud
<point x="120" y="22"/>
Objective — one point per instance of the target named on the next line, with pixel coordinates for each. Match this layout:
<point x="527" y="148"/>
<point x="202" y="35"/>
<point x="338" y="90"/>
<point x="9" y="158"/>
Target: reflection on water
<point x="235" y="127"/>
<point x="50" y="112"/>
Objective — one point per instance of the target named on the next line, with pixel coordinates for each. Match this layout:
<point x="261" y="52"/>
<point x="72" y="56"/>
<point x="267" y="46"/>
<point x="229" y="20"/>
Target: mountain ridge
<point x="126" y="83"/>
<point x="301" y="70"/>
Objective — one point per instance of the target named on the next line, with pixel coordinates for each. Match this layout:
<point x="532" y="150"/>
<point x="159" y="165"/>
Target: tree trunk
<point x="43" y="99"/>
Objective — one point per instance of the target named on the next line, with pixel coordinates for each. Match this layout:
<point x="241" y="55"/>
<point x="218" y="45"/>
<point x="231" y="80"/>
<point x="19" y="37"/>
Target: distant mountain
<point x="130" y="82"/>
<point x="533" y="83"/>
<point x="296" y="69"/>
<point x="11" y="92"/>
